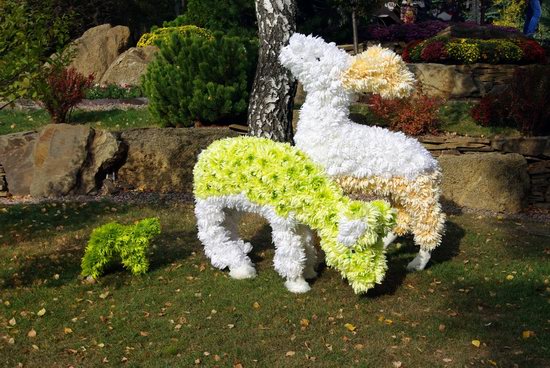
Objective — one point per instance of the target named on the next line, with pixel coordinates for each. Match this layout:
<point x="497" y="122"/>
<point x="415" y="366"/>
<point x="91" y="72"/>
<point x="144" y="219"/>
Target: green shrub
<point x="158" y="35"/>
<point x="232" y="17"/>
<point x="113" y="91"/>
<point x="115" y="243"/>
<point x="194" y="79"/>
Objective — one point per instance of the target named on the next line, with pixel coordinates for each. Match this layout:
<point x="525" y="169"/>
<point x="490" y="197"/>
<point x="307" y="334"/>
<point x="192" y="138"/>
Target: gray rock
<point x="488" y="181"/>
<point x="104" y="153"/>
<point x="17" y="157"/>
<point x="527" y="146"/>
<point x="59" y="154"/>
<point x="98" y="47"/>
<point x="128" y="68"/>
<point x="162" y="160"/>
<point x="444" y="81"/>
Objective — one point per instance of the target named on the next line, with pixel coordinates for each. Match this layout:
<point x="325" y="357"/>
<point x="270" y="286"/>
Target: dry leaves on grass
<point x="350" y="327"/>
<point x="41" y="312"/>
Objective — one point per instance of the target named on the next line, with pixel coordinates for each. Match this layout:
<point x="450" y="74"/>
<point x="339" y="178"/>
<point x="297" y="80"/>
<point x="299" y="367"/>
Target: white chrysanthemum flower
<point x="379" y="70"/>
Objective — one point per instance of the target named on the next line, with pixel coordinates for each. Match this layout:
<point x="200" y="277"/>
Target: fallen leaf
<point x="527" y="334"/>
<point x="217" y="358"/>
<point x="256" y="305"/>
<point x="35" y="347"/>
<point x="237" y="365"/>
<point x="31" y="333"/>
<point x="12" y="322"/>
<point x="124" y="359"/>
<point x="442" y="327"/>
<point x="447" y="360"/>
<point x="304" y="322"/>
<point x="67" y="330"/>
<point x="510" y="277"/>
<point x="350" y="327"/>
<point x="11" y="341"/>
<point x="101" y="345"/>
<point x="476" y="343"/>
<point x="397" y="364"/>
<point x="359" y="346"/>
<point x="290" y="353"/>
<point x="144" y="333"/>
<point x="104" y="295"/>
<point x="41" y="312"/>
<point x="492" y="362"/>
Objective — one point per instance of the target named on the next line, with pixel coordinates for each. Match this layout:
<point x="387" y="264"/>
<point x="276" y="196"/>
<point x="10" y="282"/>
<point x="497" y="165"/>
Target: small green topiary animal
<point x="112" y="243"/>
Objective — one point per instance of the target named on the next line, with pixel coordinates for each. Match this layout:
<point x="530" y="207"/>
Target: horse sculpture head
<point x="323" y="67"/>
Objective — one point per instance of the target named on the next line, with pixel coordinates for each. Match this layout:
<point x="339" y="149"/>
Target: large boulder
<point x="98" y="47"/>
<point x="162" y="160"/>
<point x="128" y="68"/>
<point x="106" y="153"/>
<point x="445" y="81"/>
<point x="17" y="157"/>
<point x="61" y="159"/>
<point x="59" y="154"/>
<point x="487" y="181"/>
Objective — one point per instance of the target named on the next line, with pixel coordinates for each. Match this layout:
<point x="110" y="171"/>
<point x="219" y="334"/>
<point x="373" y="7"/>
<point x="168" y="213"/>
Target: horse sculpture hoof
<point x="297" y="286"/>
<point x="243" y="272"/>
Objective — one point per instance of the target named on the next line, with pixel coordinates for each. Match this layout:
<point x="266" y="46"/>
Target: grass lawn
<point x="12" y="121"/>
<point x="488" y="284"/>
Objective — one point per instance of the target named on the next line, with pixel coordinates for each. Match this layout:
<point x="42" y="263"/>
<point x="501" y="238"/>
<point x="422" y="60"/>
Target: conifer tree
<point x="200" y="79"/>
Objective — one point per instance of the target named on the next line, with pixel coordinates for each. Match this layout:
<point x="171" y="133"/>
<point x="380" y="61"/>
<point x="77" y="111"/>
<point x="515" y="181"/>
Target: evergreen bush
<point x="232" y="17"/>
<point x="158" y="35"/>
<point x="196" y="79"/>
<point x="113" y="243"/>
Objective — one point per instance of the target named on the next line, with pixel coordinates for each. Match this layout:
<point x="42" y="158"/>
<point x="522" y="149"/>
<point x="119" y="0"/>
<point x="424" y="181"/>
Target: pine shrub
<point x="196" y="79"/>
<point x="115" y="243"/>
<point x="158" y="35"/>
<point x="232" y="17"/>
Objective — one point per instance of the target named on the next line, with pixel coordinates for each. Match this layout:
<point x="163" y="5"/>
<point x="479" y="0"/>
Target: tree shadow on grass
<point x="44" y="221"/>
<point x="41" y="269"/>
<point x="498" y="314"/>
<point x="398" y="259"/>
<point x="173" y="246"/>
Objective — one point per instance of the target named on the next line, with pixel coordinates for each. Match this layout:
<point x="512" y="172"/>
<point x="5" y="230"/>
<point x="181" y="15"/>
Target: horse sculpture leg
<point x="290" y="255"/>
<point x="217" y="230"/>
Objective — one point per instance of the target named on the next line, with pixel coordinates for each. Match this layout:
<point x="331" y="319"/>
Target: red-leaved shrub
<point x="484" y="112"/>
<point x="413" y="116"/>
<point x="524" y="104"/>
<point x="533" y="52"/>
<point x="434" y="52"/>
<point x="64" y="89"/>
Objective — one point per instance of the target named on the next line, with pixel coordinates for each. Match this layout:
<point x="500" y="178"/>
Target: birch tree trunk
<point x="272" y="99"/>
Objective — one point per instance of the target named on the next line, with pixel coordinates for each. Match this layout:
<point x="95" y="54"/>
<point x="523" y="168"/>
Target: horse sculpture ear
<point x="349" y="231"/>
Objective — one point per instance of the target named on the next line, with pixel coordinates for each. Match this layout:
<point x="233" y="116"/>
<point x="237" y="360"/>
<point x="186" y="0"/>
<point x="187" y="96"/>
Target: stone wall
<point x="464" y="81"/>
<point x="501" y="174"/>
<point x="534" y="150"/>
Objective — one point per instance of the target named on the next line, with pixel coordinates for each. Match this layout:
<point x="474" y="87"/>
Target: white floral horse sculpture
<point x="362" y="159"/>
<point x="281" y="183"/>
